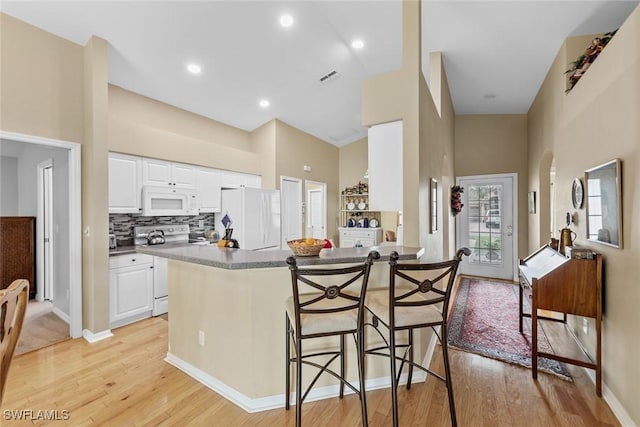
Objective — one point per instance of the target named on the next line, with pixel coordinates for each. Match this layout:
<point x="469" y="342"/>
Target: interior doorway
<point x="71" y="258"/>
<point x="290" y="209"/>
<point x="316" y="203"/>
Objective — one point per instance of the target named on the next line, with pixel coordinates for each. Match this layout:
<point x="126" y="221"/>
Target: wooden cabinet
<point x="130" y="288"/>
<point x="208" y="184"/>
<point x="17" y="251"/>
<point x="125" y="183"/>
<point x="163" y="173"/>
<point x="366" y="237"/>
<point x="568" y="285"/>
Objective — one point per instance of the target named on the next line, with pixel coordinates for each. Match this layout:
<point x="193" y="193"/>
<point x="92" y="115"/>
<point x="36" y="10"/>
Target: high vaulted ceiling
<point x="496" y="53"/>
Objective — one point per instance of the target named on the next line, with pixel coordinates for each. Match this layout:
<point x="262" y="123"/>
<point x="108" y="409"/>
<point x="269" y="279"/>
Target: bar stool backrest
<point x="335" y="289"/>
<point x="422" y="284"/>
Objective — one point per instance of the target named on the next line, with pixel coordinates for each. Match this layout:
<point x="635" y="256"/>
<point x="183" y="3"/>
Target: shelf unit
<point x="359" y="204"/>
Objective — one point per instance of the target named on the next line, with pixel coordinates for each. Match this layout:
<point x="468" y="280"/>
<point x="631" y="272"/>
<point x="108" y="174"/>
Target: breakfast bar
<point x="227" y="321"/>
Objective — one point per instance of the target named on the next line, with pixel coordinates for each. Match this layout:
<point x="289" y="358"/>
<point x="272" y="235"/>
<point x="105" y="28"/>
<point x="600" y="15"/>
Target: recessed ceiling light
<point x="286" y="21"/>
<point x="194" y="68"/>
<point x="264" y="103"/>
<point x="357" y="44"/>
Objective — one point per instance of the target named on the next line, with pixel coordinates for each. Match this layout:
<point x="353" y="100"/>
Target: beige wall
<point x="437" y="159"/>
<point x="427" y="135"/>
<point x="596" y="122"/>
<point x="493" y="144"/>
<point x="395" y="96"/>
<point x="263" y="143"/>
<point x="95" y="201"/>
<point x="142" y="126"/>
<point x="294" y="150"/>
<point x="41" y="90"/>
<point x="353" y="161"/>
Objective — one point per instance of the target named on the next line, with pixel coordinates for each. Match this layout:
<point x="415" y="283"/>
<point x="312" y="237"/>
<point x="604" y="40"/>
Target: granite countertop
<point x="238" y="259"/>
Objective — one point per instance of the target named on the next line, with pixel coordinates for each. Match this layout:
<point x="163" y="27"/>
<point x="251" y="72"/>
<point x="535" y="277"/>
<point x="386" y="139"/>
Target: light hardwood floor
<point x="123" y="381"/>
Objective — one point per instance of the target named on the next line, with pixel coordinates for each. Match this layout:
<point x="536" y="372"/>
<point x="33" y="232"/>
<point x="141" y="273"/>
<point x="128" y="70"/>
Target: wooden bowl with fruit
<point x="306" y="247"/>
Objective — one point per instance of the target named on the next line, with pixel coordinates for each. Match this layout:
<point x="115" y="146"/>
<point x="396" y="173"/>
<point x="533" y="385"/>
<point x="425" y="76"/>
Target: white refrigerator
<point x="254" y="215"/>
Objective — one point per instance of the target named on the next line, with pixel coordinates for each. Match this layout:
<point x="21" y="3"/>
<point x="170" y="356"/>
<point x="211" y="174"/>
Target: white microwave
<point x="164" y="201"/>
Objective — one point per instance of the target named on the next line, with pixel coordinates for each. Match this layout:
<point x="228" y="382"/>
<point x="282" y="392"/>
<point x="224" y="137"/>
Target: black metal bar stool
<point x="331" y="310"/>
<point x="412" y="302"/>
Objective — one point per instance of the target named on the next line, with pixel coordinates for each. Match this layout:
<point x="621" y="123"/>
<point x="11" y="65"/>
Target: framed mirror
<point x="433" y="207"/>
<point x="604" y="203"/>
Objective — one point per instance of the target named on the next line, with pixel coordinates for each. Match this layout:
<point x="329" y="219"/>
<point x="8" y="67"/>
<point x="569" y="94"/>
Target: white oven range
<point x="175" y="233"/>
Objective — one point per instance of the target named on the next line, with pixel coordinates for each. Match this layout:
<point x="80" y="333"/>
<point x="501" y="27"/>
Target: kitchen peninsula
<point x="227" y="321"/>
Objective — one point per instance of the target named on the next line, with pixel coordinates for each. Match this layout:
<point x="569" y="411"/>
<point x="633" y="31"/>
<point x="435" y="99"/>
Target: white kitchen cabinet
<point x="367" y="237"/>
<point x="385" y="167"/>
<point x="164" y="173"/>
<point x="130" y="288"/>
<point x="239" y="180"/>
<point x="125" y="183"/>
<point x="208" y="184"/>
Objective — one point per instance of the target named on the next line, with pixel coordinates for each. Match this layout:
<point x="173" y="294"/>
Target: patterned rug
<point x="484" y="320"/>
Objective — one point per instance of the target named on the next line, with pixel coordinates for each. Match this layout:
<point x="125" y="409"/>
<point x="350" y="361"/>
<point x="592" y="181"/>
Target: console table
<point x="568" y="285"/>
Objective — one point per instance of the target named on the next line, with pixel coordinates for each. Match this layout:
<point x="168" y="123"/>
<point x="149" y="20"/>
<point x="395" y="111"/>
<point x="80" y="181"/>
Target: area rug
<point x="484" y="320"/>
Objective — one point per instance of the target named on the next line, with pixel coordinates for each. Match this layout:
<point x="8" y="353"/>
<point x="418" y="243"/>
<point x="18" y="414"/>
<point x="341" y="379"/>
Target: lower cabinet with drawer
<point x="365" y="237"/>
<point x="130" y="288"/>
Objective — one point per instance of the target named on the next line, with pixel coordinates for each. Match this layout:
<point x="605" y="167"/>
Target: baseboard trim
<point x="616" y="407"/>
<point x="276" y="401"/>
<point x="91" y="337"/>
<point x="62" y="315"/>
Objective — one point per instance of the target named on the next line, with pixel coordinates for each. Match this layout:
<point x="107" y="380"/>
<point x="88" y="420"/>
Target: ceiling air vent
<point x="331" y="75"/>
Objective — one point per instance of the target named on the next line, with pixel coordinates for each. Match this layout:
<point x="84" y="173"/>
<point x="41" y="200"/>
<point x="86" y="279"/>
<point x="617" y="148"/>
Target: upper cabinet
<point x="125" y="183"/>
<point x="208" y="184"/>
<point x="385" y="167"/>
<point x="128" y="174"/>
<point x="163" y="173"/>
<point x="239" y="180"/>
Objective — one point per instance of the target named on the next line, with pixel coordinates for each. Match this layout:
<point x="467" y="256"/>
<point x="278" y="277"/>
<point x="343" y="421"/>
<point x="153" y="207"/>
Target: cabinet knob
<point x="133" y="260"/>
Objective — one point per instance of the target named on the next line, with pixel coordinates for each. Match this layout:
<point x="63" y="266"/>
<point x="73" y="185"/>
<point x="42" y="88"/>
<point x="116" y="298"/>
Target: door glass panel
<point x="485" y="224"/>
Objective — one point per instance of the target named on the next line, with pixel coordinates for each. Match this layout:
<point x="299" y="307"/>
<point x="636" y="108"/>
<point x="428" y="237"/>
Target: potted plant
<point x="580" y="65"/>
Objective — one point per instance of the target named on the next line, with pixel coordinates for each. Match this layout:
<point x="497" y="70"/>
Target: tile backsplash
<point x="122" y="224"/>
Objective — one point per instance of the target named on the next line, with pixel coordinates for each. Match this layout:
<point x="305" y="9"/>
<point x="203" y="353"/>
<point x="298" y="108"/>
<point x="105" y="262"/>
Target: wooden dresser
<point x="17" y="251"/>
<point x="567" y="285"/>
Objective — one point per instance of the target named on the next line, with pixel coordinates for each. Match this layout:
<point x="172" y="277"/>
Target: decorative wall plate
<point x="577" y="193"/>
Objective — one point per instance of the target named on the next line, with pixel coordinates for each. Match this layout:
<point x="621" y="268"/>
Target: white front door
<point x="486" y="225"/>
<point x="290" y="209"/>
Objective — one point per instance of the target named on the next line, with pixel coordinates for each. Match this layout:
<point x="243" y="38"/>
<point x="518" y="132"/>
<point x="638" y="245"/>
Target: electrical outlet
<point x="201" y="223"/>
<point x="201" y="338"/>
<point x="585" y="325"/>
